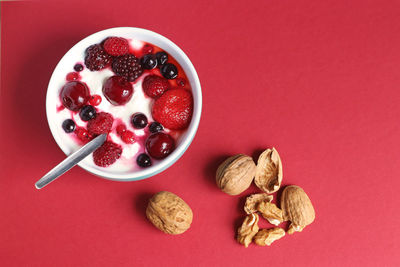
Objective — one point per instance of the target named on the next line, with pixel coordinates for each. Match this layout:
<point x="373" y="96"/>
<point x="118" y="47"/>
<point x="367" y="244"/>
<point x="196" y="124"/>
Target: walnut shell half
<point x="297" y="208"/>
<point x="269" y="171"/>
<point x="169" y="213"/>
<point x="235" y="174"/>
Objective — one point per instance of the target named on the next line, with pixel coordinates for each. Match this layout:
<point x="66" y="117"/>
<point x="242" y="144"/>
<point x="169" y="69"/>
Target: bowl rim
<point x="179" y="150"/>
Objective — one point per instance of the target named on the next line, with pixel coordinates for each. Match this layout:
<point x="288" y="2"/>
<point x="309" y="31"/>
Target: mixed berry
<point x="146" y="71"/>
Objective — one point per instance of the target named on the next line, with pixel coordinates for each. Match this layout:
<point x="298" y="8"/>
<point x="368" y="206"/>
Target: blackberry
<point x="96" y="58"/>
<point x="127" y="66"/>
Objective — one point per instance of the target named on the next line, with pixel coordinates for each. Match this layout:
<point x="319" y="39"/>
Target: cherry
<point x="74" y="95"/>
<point x="160" y="145"/>
<point x="117" y="90"/>
<point x="128" y="137"/>
<point x="95" y="100"/>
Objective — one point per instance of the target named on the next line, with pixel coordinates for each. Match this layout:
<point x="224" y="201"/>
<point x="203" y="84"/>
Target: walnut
<point x="253" y="200"/>
<point x="297" y="208"/>
<point x="248" y="230"/>
<point x="235" y="174"/>
<point x="267" y="236"/>
<point x="269" y="171"/>
<point x="270" y="212"/>
<point x="169" y="213"/>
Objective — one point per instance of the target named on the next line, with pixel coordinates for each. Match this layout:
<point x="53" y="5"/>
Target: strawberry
<point x="107" y="154"/>
<point x="154" y="86"/>
<point x="116" y="46"/>
<point x="102" y="123"/>
<point x="174" y="109"/>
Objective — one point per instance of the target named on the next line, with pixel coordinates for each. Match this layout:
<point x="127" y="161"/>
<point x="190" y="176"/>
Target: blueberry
<point x="155" y="127"/>
<point x="149" y="62"/>
<point x="68" y="125"/>
<point x="169" y="71"/>
<point x="78" y="67"/>
<point x="139" y="120"/>
<point x="143" y="160"/>
<point x="87" y="113"/>
<point x="162" y="57"/>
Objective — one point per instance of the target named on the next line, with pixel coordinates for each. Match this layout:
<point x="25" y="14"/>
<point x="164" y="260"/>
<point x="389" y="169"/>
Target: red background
<point x="319" y="80"/>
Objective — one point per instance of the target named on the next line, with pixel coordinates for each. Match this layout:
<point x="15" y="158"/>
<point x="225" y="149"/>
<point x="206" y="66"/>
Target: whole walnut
<point x="235" y="174"/>
<point x="169" y="213"/>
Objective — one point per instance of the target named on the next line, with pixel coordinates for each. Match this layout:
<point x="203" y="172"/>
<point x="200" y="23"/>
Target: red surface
<point x="319" y="80"/>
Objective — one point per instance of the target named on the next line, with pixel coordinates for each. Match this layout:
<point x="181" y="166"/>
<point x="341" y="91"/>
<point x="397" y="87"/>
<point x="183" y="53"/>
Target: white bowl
<point x="68" y="61"/>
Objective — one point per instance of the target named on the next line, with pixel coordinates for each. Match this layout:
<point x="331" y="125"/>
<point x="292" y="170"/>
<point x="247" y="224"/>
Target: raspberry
<point x="116" y="46"/>
<point x="96" y="58"/>
<point x="107" y="154"/>
<point x="127" y="66"/>
<point x="174" y="109"/>
<point x="154" y="86"/>
<point x="102" y="123"/>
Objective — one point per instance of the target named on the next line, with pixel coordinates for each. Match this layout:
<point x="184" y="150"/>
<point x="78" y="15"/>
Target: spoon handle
<point x="71" y="161"/>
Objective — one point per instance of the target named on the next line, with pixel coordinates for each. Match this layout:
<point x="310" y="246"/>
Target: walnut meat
<point x="267" y="236"/>
<point x="270" y="212"/>
<point x="248" y="230"/>
<point x="235" y="174"/>
<point x="169" y="213"/>
<point x="297" y="208"/>
<point x="253" y="200"/>
<point x="269" y="171"/>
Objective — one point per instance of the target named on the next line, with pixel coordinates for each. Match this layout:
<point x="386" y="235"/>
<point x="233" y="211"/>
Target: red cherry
<point x="74" y="95"/>
<point x="121" y="129"/>
<point x="160" y="145"/>
<point x="95" y="100"/>
<point x="128" y="137"/>
<point x="117" y="90"/>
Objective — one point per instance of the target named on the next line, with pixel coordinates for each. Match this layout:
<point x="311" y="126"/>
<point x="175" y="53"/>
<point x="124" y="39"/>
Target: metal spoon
<point x="71" y="161"/>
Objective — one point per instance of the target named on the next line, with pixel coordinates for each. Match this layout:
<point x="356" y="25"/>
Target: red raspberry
<point x="116" y="46"/>
<point x="154" y="86"/>
<point x="127" y="66"/>
<point x="96" y="58"/>
<point x="102" y="123"/>
<point x="107" y="154"/>
<point x="128" y="137"/>
<point x="174" y="109"/>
